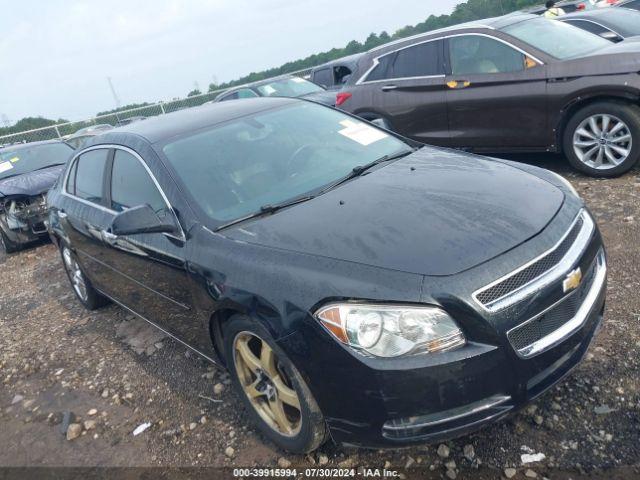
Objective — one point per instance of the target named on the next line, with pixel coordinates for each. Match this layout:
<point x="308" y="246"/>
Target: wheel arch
<point x="217" y="321"/>
<point x="582" y="101"/>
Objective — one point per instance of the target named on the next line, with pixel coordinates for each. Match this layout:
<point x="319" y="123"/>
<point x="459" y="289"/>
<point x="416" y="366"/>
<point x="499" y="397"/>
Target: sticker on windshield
<point x="297" y="80"/>
<point x="269" y="90"/>
<point x="4" y="166"/>
<point x="361" y="132"/>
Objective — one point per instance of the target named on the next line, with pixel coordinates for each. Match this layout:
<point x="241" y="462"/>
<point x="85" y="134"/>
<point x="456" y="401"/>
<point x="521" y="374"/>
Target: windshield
<point x="94" y="128"/>
<point x="288" y="87"/>
<point x="271" y="157"/>
<point x="557" y="39"/>
<point x="16" y="161"/>
<point x="624" y="22"/>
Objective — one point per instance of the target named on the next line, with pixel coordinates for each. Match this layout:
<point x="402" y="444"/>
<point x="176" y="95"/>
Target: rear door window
<point x="324" y="77"/>
<point x="246" y="93"/>
<point x="89" y="176"/>
<point x="421" y="60"/>
<point x="71" y="179"/>
<point x="231" y="96"/>
<point x="382" y="71"/>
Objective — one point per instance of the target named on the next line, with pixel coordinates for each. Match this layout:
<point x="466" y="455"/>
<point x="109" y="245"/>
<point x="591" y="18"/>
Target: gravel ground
<point x="106" y="373"/>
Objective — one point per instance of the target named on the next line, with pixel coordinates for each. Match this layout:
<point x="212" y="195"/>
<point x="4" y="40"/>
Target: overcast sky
<point x="56" y="55"/>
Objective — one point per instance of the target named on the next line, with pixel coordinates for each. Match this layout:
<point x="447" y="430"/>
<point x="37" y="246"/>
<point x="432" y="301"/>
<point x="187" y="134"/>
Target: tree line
<point x="463" y="12"/>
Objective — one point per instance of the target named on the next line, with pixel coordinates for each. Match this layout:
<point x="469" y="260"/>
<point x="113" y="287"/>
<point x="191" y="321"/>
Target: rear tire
<point x="603" y="139"/>
<point x="88" y="296"/>
<point x="271" y="388"/>
<point x="7" y="245"/>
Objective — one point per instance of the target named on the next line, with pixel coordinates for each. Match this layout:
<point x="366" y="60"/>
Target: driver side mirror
<point x="142" y="219"/>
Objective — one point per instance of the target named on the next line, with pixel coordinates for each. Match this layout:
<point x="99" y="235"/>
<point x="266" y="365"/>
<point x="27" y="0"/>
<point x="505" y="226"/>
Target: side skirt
<point x="206" y="357"/>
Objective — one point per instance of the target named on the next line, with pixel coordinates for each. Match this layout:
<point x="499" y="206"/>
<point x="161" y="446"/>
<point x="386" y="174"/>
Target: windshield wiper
<point x="361" y="169"/>
<point x="355" y="172"/>
<point x="266" y="210"/>
<point x="47" y="166"/>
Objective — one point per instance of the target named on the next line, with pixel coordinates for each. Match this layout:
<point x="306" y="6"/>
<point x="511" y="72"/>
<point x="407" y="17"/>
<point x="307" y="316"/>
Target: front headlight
<point x="391" y="330"/>
<point x="566" y="183"/>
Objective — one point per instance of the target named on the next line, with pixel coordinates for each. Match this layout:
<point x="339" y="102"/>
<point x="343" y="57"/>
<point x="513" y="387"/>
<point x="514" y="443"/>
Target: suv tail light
<point x="342" y="97"/>
<point x="581" y="6"/>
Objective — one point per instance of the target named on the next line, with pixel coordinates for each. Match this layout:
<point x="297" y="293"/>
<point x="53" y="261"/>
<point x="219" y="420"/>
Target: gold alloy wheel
<point x="265" y="383"/>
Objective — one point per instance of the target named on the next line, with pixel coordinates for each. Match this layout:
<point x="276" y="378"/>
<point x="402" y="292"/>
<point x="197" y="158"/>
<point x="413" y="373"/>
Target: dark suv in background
<point x="511" y="84"/>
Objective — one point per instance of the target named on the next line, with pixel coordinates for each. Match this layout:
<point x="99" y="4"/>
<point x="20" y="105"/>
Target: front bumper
<point x="389" y="402"/>
<point x="25" y="231"/>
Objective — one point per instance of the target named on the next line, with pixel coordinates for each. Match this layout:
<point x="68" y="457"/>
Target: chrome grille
<point x="532" y="272"/>
<point x="553" y="318"/>
<point x="541" y="271"/>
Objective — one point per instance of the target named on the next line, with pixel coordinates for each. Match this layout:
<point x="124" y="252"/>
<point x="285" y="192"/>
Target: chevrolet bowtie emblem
<point x="572" y="280"/>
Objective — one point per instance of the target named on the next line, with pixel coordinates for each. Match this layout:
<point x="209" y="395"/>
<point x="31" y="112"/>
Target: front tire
<point x="603" y="139"/>
<point x="271" y="388"/>
<point x="88" y="296"/>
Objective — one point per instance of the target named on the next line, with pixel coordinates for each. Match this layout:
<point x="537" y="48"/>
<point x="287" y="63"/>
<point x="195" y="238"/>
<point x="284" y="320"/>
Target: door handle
<point x="387" y="88"/>
<point x="457" y="84"/>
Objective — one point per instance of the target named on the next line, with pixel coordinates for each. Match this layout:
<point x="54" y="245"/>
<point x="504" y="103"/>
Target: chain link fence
<point x="64" y="130"/>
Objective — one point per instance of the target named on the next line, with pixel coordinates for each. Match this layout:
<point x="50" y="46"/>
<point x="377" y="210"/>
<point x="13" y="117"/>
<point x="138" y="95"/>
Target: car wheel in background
<point x="271" y="388"/>
<point x="6" y="245"/>
<point x="603" y="139"/>
<point x="90" y="298"/>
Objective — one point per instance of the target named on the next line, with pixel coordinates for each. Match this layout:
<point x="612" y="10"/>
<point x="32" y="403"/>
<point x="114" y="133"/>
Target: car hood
<point x="324" y="97"/>
<point x="32" y="183"/>
<point x="434" y="212"/>
<point x="623" y="57"/>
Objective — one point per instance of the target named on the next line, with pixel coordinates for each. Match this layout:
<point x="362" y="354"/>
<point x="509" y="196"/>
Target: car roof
<point x="495" y="23"/>
<point x="162" y="127"/>
<point x="348" y="60"/>
<point x="543" y="8"/>
<point x="22" y="146"/>
<point x="257" y="83"/>
<point x="600" y="13"/>
<point x="607" y="17"/>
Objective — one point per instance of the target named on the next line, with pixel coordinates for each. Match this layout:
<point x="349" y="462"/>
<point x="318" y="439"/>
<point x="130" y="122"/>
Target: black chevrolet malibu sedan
<point x="354" y="284"/>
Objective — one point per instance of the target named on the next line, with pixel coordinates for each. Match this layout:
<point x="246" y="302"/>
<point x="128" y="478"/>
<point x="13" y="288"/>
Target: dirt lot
<point x="110" y="373"/>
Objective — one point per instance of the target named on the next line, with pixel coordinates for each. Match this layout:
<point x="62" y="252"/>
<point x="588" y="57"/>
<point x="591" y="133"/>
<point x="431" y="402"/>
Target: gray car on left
<point x="27" y="172"/>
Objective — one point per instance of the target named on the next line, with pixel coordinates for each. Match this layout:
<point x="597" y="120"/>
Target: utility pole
<point x="113" y="92"/>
